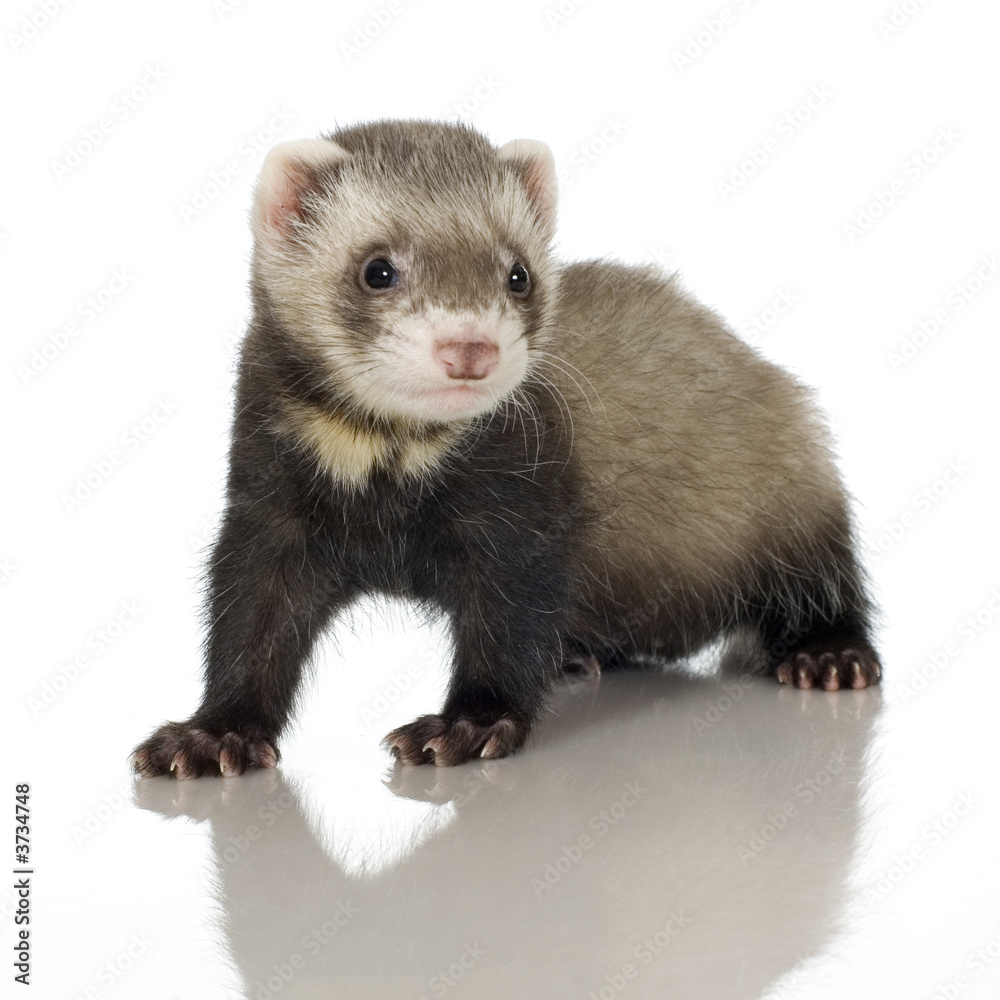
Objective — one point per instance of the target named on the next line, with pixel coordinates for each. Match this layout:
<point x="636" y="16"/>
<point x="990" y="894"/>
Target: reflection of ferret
<point x="577" y="464"/>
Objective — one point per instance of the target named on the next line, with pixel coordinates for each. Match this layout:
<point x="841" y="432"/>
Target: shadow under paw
<point x="436" y="739"/>
<point x="183" y="750"/>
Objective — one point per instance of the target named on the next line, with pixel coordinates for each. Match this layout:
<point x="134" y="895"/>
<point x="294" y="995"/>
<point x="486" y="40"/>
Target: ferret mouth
<point x="460" y="397"/>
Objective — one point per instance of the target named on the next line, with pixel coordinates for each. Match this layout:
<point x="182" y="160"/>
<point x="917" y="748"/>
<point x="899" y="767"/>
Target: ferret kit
<point x="577" y="465"/>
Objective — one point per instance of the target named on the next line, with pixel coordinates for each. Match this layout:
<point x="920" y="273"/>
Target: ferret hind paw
<point x="830" y="666"/>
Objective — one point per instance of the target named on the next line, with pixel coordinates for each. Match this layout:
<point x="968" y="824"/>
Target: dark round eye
<point x="518" y="280"/>
<point x="379" y="273"/>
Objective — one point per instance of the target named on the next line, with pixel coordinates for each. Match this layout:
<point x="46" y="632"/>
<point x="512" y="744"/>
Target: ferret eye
<point x="518" y="280"/>
<point x="379" y="273"/>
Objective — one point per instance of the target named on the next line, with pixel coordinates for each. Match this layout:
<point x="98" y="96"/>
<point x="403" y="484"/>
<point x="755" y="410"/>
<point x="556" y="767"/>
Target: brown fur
<point x="704" y="464"/>
<point x="627" y="479"/>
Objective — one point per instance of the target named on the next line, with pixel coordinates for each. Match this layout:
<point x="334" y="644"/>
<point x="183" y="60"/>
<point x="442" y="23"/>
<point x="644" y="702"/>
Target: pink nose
<point x="472" y="359"/>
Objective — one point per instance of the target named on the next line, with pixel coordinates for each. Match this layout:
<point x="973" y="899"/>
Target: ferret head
<point x="413" y="259"/>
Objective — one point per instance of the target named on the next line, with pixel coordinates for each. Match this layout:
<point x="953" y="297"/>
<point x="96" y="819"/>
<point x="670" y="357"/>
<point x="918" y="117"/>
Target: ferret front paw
<point x="830" y="666"/>
<point x="186" y="751"/>
<point x="436" y="739"/>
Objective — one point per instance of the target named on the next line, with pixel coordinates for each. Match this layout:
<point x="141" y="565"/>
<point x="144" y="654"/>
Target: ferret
<point x="577" y="464"/>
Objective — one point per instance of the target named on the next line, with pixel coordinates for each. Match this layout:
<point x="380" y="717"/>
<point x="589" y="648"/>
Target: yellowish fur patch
<point x="349" y="455"/>
<point x="346" y="453"/>
<point x="420" y="456"/>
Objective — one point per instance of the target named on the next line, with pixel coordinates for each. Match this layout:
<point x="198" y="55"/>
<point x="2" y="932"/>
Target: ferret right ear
<point x="290" y="171"/>
<point x="537" y="168"/>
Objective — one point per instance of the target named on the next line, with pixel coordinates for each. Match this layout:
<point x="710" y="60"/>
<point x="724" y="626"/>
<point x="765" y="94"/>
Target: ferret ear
<point x="537" y="168"/>
<point x="290" y="171"/>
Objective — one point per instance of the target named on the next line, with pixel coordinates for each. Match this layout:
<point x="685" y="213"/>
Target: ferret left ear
<point x="290" y="171"/>
<point x="537" y="169"/>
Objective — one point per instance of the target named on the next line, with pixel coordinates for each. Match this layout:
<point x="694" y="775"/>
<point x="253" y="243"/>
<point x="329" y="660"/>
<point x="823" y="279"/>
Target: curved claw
<point x="444" y="742"/>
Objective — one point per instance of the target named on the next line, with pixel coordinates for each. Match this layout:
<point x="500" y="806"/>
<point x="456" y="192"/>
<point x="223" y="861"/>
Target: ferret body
<point x="579" y="465"/>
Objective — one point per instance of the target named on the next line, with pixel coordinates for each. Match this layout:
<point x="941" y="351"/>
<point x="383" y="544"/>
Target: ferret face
<point x="419" y="275"/>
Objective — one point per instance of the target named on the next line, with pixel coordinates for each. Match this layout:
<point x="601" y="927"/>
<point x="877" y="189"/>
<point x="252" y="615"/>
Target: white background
<point x="124" y="268"/>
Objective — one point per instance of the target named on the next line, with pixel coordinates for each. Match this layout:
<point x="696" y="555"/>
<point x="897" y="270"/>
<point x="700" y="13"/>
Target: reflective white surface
<point x="671" y="835"/>
<point x="660" y="837"/>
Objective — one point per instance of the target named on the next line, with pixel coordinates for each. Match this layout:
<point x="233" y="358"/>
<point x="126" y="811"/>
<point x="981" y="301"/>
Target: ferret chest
<point x="351" y="454"/>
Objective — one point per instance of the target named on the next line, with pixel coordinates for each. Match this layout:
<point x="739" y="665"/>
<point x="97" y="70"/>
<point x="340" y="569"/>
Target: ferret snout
<point x="467" y="359"/>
